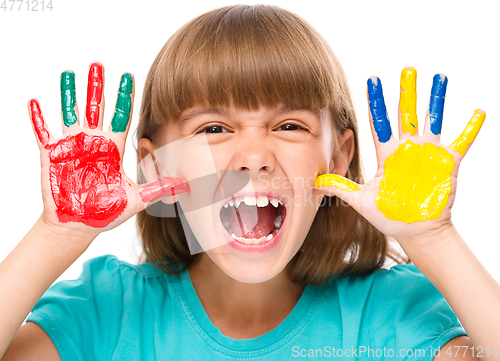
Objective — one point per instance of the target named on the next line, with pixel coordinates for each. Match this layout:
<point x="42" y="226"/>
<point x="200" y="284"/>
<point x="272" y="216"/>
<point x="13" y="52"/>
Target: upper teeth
<point x="260" y="201"/>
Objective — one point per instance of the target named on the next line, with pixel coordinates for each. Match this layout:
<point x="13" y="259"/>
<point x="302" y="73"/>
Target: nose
<point x="254" y="155"/>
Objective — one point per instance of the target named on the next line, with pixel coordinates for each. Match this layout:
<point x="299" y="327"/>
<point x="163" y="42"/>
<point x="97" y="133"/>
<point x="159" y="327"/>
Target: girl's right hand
<point x="84" y="187"/>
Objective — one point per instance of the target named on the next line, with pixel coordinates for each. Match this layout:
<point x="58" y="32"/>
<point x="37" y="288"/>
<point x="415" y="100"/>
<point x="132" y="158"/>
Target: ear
<point x="344" y="152"/>
<point x="335" y="183"/>
<point x="148" y="168"/>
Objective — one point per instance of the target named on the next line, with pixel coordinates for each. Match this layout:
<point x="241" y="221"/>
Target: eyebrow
<point x="219" y="111"/>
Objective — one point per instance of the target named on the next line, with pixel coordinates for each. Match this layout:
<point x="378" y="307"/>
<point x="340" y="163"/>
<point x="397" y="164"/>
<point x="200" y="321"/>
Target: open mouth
<point x="253" y="220"/>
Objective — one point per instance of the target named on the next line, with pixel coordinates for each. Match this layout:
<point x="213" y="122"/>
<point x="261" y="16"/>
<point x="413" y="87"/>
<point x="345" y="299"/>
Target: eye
<point x="213" y="129"/>
<point x="291" y="126"/>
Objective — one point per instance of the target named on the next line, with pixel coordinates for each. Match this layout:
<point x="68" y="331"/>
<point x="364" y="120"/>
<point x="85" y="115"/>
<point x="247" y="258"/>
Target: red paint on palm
<point x="94" y="95"/>
<point x="38" y="122"/>
<point x="85" y="180"/>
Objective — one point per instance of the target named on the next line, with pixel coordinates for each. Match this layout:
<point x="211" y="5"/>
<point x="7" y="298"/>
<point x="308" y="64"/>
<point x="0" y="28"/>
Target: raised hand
<point x="83" y="182"/>
<point x="414" y="188"/>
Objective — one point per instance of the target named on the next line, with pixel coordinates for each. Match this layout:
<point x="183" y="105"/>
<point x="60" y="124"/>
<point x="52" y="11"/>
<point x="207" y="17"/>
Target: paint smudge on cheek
<point x="85" y="180"/>
<point x="416" y="183"/>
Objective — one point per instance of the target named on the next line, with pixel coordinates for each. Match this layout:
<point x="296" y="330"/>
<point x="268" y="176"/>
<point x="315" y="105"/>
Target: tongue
<point x="251" y="221"/>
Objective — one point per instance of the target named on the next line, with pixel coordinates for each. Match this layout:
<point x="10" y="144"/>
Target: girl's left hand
<point x="411" y="195"/>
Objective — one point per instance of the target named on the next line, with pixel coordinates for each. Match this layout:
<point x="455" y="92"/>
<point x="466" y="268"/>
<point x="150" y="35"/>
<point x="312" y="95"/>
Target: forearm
<point x="29" y="270"/>
<point x="470" y="290"/>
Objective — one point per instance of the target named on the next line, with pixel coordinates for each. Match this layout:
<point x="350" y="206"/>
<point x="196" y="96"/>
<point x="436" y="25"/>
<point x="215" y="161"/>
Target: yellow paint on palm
<point x="335" y="180"/>
<point x="408" y="101"/>
<point x="416" y="183"/>
<point x="469" y="134"/>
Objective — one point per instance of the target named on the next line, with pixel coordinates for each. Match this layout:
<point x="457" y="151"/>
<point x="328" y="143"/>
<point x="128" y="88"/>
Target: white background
<point x="459" y="39"/>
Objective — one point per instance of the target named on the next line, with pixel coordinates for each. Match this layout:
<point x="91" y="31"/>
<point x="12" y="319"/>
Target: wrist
<point x="433" y="240"/>
<point x="64" y="239"/>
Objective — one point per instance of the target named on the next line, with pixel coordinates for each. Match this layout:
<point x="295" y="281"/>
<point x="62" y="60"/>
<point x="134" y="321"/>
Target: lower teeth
<point x="252" y="240"/>
<point x="277" y="225"/>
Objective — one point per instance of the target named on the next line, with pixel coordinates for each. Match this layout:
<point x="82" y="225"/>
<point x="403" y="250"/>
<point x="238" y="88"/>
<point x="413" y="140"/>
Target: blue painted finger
<point x="436" y="104"/>
<point x="378" y="110"/>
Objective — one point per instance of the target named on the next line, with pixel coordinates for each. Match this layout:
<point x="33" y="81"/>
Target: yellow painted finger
<point x="335" y="180"/>
<point x="461" y="144"/>
<point x="408" y="101"/>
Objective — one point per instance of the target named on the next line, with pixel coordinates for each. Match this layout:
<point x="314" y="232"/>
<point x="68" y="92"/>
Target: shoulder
<point x="104" y="279"/>
<point x="405" y="277"/>
<point x="403" y="284"/>
<point x="399" y="294"/>
<point x="109" y="266"/>
<point x="386" y="281"/>
<point x="399" y="308"/>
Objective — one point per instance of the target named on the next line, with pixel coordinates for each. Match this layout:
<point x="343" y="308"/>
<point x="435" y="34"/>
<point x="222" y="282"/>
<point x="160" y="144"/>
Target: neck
<point x="243" y="310"/>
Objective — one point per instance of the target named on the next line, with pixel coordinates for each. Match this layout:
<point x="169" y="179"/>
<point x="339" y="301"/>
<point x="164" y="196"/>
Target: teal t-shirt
<point x="119" y="311"/>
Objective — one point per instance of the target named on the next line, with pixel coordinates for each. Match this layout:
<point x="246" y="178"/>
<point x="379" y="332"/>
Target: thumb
<point x="336" y="185"/>
<point x="163" y="187"/>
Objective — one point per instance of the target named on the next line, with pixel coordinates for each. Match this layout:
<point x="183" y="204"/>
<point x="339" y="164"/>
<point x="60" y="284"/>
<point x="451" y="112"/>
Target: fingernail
<point x="378" y="110"/>
<point x="94" y="95"/>
<point x="68" y="98"/>
<point x="123" y="104"/>
<point x="436" y="104"/>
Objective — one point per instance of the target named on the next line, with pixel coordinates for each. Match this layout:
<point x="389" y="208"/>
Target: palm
<point x="86" y="186"/>
<point x="415" y="184"/>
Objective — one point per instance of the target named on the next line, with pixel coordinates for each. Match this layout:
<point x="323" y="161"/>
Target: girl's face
<point x="281" y="151"/>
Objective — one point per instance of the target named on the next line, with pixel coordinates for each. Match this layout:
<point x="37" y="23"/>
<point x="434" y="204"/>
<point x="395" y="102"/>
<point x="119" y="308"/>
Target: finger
<point x="434" y="117"/>
<point x="380" y="125"/>
<point x="336" y="185"/>
<point x="163" y="187"/>
<point x="124" y="105"/>
<point x="463" y="142"/>
<point x="337" y="181"/>
<point x="69" y="106"/>
<point x="95" y="96"/>
<point x="408" y="121"/>
<point x="37" y="120"/>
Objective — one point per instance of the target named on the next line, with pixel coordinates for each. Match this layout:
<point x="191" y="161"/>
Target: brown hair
<point x="248" y="57"/>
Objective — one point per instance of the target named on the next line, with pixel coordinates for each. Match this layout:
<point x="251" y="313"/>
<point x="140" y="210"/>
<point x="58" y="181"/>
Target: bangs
<point x="246" y="57"/>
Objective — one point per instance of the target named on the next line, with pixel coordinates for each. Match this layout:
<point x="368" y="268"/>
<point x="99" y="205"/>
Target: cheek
<point x="305" y="158"/>
<point x="301" y="166"/>
<point x="189" y="159"/>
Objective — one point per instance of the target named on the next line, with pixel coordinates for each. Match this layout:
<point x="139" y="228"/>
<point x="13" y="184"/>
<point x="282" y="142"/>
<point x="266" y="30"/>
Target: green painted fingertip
<point x="123" y="104"/>
<point x="68" y="98"/>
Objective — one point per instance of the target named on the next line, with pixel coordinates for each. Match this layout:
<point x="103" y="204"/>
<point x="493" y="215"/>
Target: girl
<point x="288" y="269"/>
